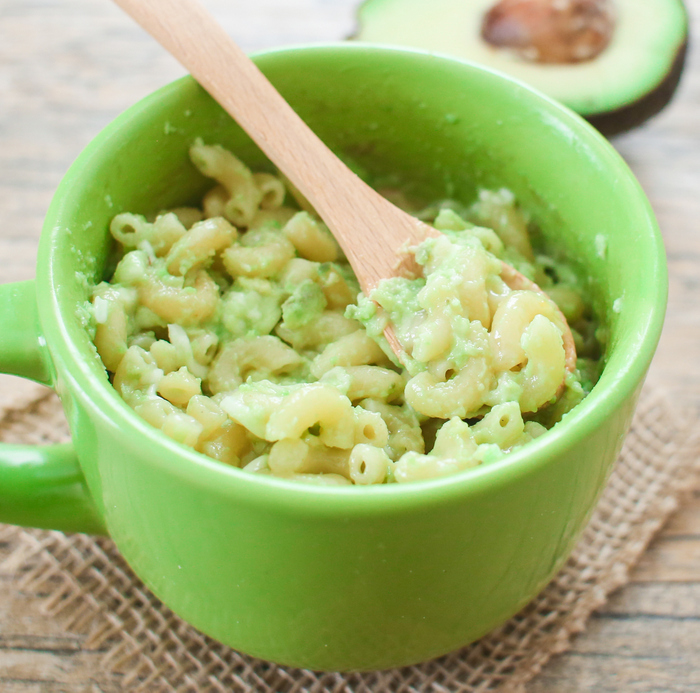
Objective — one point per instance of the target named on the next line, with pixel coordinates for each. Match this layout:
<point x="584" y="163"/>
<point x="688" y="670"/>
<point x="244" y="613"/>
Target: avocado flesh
<point x="632" y="79"/>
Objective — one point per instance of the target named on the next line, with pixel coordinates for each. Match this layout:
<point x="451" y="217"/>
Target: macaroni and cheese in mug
<point x="238" y="329"/>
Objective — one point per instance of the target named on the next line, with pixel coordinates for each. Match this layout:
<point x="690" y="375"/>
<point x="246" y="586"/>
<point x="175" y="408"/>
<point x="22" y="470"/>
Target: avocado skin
<point x="634" y="114"/>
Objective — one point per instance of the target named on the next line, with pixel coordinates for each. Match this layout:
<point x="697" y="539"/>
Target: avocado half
<point x="617" y="67"/>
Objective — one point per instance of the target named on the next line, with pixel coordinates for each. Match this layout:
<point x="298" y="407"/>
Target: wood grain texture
<point x="68" y="67"/>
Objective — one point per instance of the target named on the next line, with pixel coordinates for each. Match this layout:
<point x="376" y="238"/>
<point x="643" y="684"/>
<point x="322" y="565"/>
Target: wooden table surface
<point x="68" y="67"/>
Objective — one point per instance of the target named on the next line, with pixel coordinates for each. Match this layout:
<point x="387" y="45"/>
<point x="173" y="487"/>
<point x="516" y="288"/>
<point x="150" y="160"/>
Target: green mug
<point x="336" y="578"/>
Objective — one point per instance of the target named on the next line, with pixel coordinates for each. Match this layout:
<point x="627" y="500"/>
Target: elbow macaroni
<point x="238" y="329"/>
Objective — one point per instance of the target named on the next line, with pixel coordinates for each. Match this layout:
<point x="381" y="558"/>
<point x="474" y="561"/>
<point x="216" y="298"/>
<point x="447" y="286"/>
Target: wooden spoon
<point x="370" y="230"/>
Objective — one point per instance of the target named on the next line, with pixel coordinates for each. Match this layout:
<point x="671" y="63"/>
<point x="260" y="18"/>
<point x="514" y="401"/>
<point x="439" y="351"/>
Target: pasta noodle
<point x="238" y="329"/>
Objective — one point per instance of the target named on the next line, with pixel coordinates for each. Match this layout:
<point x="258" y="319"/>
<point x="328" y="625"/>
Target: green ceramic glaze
<point x="337" y="578"/>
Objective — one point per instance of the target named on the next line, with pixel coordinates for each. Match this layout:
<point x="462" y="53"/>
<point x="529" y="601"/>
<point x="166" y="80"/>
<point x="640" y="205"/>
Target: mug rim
<point x="196" y="468"/>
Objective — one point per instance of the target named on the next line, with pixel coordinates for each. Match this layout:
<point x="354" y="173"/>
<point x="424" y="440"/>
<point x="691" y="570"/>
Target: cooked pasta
<point x="238" y="329"/>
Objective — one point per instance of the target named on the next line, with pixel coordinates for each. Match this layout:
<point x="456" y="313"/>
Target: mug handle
<point x="40" y="485"/>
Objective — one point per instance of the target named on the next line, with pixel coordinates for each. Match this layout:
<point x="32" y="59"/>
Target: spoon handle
<point x="369" y="229"/>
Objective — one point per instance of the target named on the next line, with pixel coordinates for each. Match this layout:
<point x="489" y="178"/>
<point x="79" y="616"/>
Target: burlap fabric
<point x="85" y="584"/>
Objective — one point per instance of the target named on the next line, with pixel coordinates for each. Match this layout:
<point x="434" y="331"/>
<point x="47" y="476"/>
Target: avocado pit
<point x="550" y="31"/>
